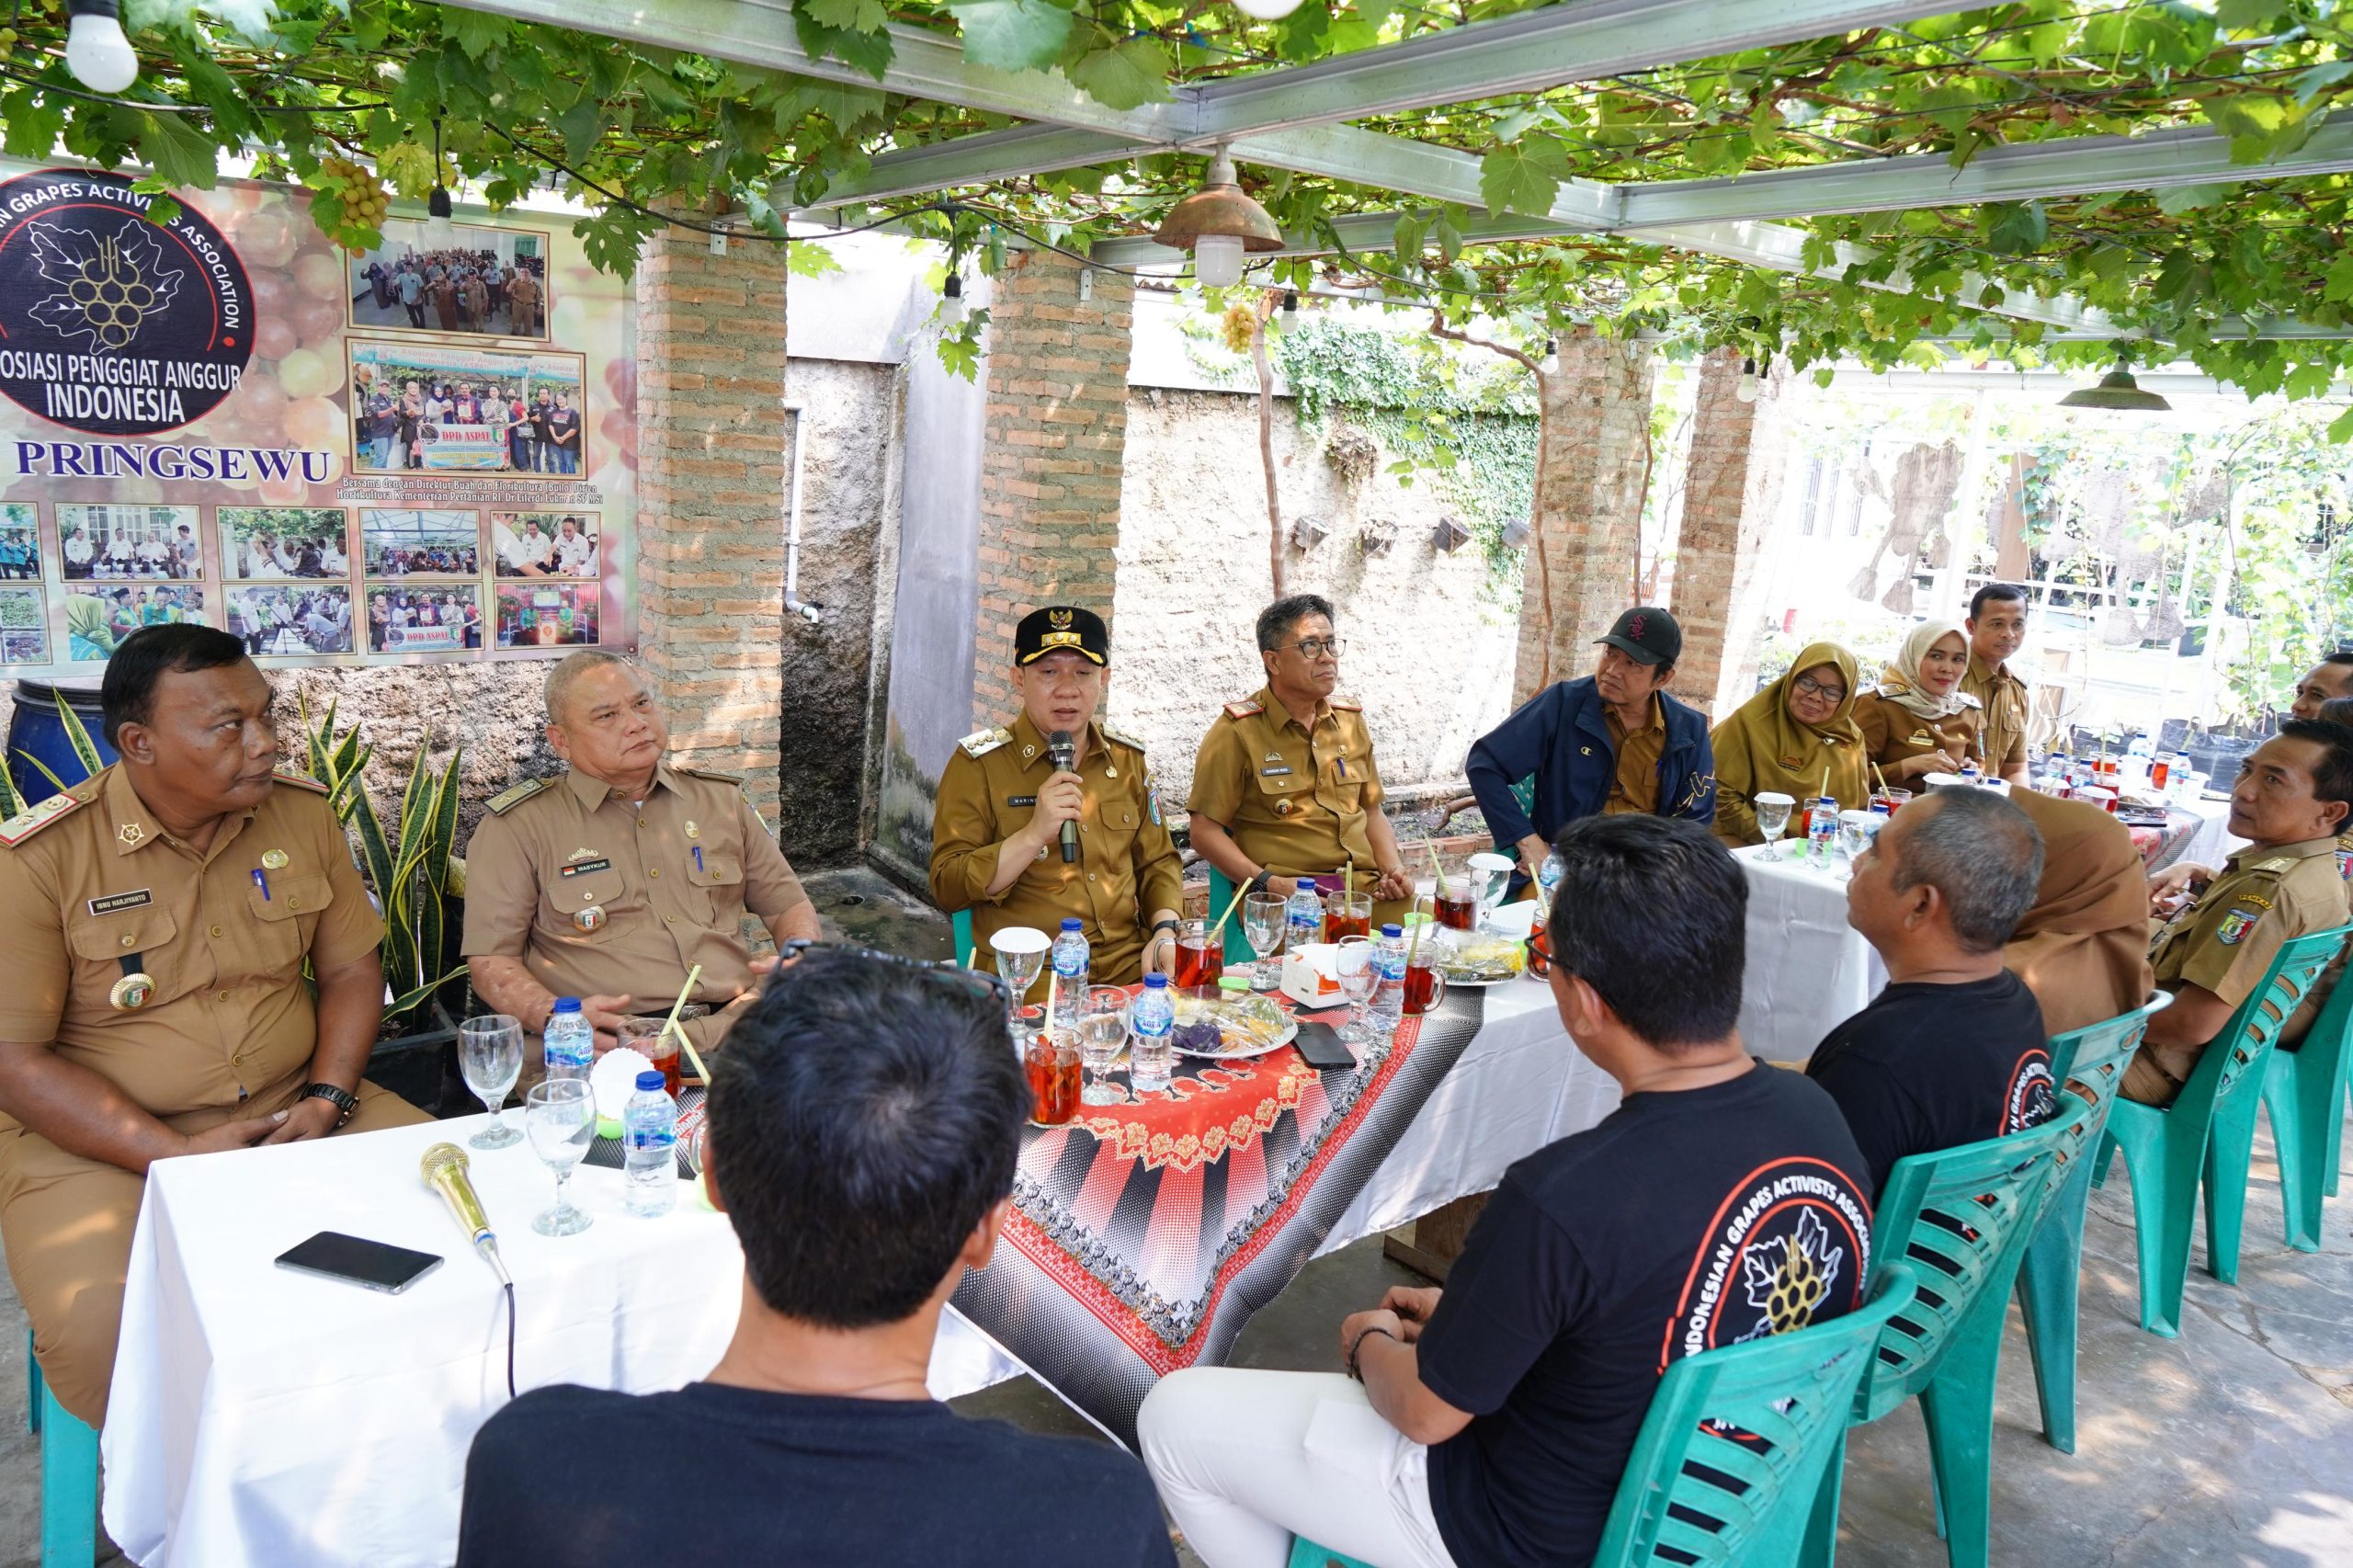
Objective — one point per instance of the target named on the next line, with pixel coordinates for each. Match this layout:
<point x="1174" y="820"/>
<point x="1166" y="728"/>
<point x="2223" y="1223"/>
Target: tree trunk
<point x="1267" y="452"/>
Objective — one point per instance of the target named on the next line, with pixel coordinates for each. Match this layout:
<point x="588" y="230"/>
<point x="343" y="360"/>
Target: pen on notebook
<point x="261" y="881"/>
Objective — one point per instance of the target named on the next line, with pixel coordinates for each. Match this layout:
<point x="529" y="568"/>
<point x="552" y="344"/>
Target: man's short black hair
<point x="864" y="1116"/>
<point x="2342" y="656"/>
<point x="1991" y="591"/>
<point x="127" y="694"/>
<point x="1277" y="619"/>
<point x="2337" y="710"/>
<point x="1652" y="913"/>
<point x="2332" y="776"/>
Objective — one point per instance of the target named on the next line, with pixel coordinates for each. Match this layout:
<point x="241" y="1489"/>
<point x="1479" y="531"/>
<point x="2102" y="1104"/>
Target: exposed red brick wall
<point x="712" y="444"/>
<point x="1052" y="454"/>
<point x="1733" y="489"/>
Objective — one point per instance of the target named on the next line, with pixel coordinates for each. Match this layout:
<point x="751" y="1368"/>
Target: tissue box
<point x="1309" y="976"/>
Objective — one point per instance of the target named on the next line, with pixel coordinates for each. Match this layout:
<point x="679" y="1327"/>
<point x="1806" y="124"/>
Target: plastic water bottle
<point x="1302" y="916"/>
<point x="650" y="1148"/>
<point x="1071" y="958"/>
<point x="1822" y="830"/>
<point x="568" y="1045"/>
<point x="1389" y="991"/>
<point x="1151" y="1021"/>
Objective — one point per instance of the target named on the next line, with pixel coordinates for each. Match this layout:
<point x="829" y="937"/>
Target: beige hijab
<point x="1902" y="684"/>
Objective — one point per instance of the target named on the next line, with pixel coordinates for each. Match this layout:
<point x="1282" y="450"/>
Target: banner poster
<point x="343" y="460"/>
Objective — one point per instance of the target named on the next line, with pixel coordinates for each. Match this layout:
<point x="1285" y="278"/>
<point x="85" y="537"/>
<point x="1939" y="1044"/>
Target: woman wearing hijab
<point x="1919" y="720"/>
<point x="1784" y="739"/>
<point x="2082" y="949"/>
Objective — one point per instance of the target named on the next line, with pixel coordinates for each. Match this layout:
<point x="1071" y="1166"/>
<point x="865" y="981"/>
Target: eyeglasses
<point x="1806" y="686"/>
<point x="1316" y="647"/>
<point x="980" y="982"/>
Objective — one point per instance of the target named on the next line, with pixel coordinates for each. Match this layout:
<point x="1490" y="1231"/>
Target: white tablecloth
<point x="1807" y="969"/>
<point x="264" y="1417"/>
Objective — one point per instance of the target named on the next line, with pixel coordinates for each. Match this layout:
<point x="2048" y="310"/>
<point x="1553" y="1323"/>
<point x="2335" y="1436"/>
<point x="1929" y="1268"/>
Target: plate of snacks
<point x="1485" y="959"/>
<point x="1213" y="1024"/>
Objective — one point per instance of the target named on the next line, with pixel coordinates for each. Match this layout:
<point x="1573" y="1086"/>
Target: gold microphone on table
<point x="444" y="1169"/>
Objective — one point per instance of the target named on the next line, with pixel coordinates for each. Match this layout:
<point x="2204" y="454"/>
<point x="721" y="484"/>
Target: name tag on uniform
<point x="1021" y="799"/>
<point x="585" y="867"/>
<point x="1272" y="772"/>
<point x="116" y="903"/>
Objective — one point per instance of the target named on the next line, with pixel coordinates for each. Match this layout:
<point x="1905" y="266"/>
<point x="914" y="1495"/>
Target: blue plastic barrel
<point x="36" y="729"/>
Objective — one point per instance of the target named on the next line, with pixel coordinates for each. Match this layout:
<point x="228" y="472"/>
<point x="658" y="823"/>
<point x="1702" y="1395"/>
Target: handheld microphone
<point x="1065" y="760"/>
<point x="443" y="1170"/>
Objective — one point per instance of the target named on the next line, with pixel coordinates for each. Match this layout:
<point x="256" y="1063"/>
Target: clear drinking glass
<point x="1262" y="922"/>
<point x="1357" y="974"/>
<point x="1856" y="830"/>
<point x="490" y="1054"/>
<point x="1020" y="959"/>
<point x="1102" y="1030"/>
<point x="561" y="1116"/>
<point x="1772" y="820"/>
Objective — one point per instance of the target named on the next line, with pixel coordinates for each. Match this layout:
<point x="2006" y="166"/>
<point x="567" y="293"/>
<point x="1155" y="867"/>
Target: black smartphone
<point x="1320" y="1048"/>
<point x="379" y="1266"/>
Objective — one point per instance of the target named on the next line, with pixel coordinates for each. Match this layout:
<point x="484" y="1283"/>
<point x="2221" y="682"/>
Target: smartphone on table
<point x="378" y="1265"/>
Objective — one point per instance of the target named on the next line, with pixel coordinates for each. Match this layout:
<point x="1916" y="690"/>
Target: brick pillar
<point x="711" y="442"/>
<point x="1592" y="459"/>
<point x="1054" y="441"/>
<point x="1729" y="497"/>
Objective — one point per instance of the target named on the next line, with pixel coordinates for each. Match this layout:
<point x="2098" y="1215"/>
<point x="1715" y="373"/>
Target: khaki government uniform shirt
<point x="2004" y="698"/>
<point x="600" y="896"/>
<point x="90" y="884"/>
<point x="1126" y="867"/>
<point x="2226" y="938"/>
<point x="1893" y="733"/>
<point x="1634" y="787"/>
<point x="1296" y="799"/>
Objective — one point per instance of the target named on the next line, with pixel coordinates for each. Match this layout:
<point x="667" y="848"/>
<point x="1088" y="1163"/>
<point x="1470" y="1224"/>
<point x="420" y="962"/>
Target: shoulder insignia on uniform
<point x="2277" y="863"/>
<point x="1967" y="700"/>
<point x="1244" y="709"/>
<point x="979" y="743"/>
<point x="300" y="780"/>
<point x="32" y="820"/>
<point x="1348" y="704"/>
<point x="513" y="795"/>
<point x="1128" y="741"/>
<point x="710" y="773"/>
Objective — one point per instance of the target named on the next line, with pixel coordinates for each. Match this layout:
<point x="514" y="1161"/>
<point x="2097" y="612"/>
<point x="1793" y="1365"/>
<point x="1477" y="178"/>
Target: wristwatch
<point x="1259" y="883"/>
<point x="345" y="1103"/>
<point x="1159" y="925"/>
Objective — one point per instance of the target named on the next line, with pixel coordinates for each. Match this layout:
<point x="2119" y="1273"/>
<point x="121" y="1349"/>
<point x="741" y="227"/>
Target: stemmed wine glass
<point x="1102" y="1030"/>
<point x="1357" y="974"/>
<point x="1020" y="959"/>
<point x="1773" y="811"/>
<point x="490" y="1054"/>
<point x="1262" y="922"/>
<point x="561" y="1116"/>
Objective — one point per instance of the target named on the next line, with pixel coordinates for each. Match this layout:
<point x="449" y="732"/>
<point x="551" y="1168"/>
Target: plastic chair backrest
<point x="1732" y="1453"/>
<point x="959" y="926"/>
<point x="1958" y="1219"/>
<point x="1525" y="793"/>
<point x="2089" y="1063"/>
<point x="2246" y="1041"/>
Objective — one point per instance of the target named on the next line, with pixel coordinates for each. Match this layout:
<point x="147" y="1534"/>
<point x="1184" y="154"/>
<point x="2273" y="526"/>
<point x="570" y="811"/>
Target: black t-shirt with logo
<point x="1685" y="1222"/>
<point x="1928" y="1067"/>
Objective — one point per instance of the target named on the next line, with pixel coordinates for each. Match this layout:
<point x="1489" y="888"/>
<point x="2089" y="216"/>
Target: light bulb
<point x="96" y="51"/>
<point x="439" y="234"/>
<point x="1551" y="363"/>
<point x="1267" y="10"/>
<point x="1217" y="260"/>
<point x="951" y="301"/>
<point x="1291" y="307"/>
<point x="1747" y="390"/>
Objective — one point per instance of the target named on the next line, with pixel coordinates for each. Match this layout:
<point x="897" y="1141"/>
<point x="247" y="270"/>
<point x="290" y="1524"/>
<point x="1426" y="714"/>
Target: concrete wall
<point x="1429" y="649"/>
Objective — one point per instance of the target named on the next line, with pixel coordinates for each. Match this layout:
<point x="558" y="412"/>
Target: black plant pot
<point x="422" y="1067"/>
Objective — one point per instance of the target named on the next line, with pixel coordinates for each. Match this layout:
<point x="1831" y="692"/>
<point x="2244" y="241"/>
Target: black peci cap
<point x="1647" y="635"/>
<point x="1061" y="629"/>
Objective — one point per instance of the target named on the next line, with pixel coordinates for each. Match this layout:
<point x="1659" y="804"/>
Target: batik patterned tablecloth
<point x="1143" y="1236"/>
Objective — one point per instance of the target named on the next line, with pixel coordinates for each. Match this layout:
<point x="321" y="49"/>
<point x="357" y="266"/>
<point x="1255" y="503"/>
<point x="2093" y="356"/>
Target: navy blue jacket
<point x="1561" y="736"/>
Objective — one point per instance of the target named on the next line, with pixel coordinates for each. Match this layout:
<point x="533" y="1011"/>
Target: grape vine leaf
<point x="1127" y="75"/>
<point x="1523" y="176"/>
<point x="1013" y="34"/>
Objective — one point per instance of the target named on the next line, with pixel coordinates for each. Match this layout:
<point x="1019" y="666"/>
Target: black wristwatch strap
<point x="1259" y="883"/>
<point x="1171" y="927"/>
<point x="345" y="1103"/>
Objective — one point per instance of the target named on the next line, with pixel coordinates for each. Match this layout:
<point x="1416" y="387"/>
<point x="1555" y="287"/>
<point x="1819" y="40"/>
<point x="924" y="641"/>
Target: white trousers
<point x="1244" y="1460"/>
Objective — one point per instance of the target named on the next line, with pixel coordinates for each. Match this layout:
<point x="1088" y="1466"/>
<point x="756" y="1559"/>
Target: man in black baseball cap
<point x="998" y="824"/>
<point x="1613" y="741"/>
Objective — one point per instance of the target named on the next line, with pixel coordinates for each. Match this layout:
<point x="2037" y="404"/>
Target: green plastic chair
<point x="69" y="1474"/>
<point x="1238" y="950"/>
<point x="1960" y="1219"/>
<point x="2090" y="1061"/>
<point x="2206" y="1135"/>
<point x="1792" y="1391"/>
<point x="959" y="928"/>
<point x="2304" y="1092"/>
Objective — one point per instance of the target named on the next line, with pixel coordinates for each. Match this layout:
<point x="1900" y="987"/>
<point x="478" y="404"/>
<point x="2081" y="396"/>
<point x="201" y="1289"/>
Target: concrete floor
<point x="2232" y="1444"/>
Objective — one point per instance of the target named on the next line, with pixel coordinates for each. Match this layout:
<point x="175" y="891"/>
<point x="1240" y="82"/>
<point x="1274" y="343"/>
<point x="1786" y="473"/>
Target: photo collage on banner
<point x="423" y="452"/>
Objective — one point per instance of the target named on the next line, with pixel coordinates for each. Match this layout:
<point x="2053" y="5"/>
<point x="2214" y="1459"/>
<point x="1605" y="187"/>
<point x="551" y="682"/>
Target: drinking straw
<point x="1881" y="777"/>
<point x="1348" y="882"/>
<point x="1231" y="905"/>
<point x="1825" y="781"/>
<point x="670" y="1024"/>
<point x="973" y="959"/>
<point x="1413" y="950"/>
<point x="1435" y="866"/>
<point x="1052" y="976"/>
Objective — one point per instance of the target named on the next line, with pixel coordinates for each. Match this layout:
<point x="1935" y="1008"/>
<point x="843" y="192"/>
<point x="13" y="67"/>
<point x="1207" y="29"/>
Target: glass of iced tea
<point x="1200" y="961"/>
<point x="1425" y="986"/>
<point x="1050" y="1059"/>
<point x="1457" y="904"/>
<point x="646" y="1035"/>
<point x="1346" y="915"/>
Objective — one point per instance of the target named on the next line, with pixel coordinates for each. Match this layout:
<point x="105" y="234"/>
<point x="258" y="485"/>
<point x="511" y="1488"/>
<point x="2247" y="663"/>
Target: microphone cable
<point x="509" y="1288"/>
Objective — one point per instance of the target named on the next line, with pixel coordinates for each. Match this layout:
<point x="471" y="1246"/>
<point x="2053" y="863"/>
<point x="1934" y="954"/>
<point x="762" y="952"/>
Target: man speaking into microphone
<point x="1022" y="838"/>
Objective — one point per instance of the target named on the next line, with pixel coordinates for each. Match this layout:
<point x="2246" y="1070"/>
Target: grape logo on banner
<point x="111" y="323"/>
<point x="1788" y="1240"/>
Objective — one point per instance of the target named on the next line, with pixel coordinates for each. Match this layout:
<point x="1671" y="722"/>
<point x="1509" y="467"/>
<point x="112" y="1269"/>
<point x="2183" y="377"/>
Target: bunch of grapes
<point x="355" y="190"/>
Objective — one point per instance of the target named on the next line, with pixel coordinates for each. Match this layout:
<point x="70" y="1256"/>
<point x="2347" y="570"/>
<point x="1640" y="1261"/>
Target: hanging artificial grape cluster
<point x="358" y="198"/>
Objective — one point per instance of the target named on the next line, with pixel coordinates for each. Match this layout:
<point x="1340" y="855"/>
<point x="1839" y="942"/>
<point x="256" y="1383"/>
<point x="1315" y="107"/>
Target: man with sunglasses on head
<point x="1284" y="785"/>
<point x="863" y="1130"/>
<point x="996" y="826"/>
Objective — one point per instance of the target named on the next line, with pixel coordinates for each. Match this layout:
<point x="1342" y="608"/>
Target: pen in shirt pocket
<point x="698" y="858"/>
<point x="261" y="881"/>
